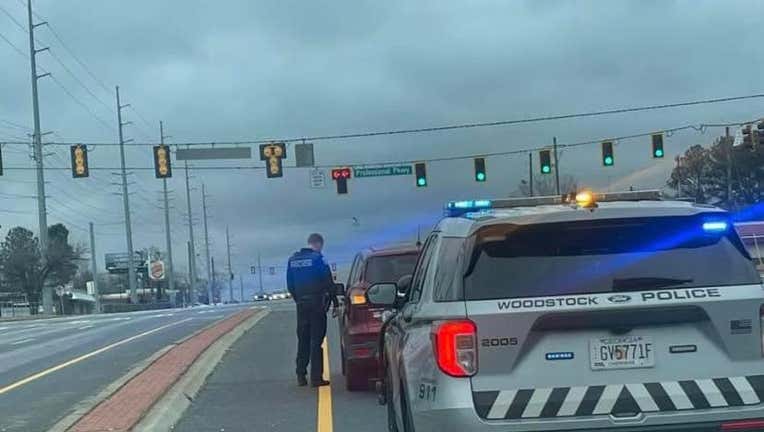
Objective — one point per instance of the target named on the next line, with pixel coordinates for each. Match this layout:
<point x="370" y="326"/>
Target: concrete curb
<point x="170" y="408"/>
<point x="86" y="405"/>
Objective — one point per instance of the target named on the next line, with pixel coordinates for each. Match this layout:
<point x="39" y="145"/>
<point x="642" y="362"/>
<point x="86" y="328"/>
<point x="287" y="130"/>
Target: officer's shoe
<point x="319" y="383"/>
<point x="302" y="381"/>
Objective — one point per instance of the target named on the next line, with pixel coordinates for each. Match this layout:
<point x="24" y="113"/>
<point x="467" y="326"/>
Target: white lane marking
<point x="744" y="389"/>
<point x="501" y="404"/>
<point x="162" y="315"/>
<point x="677" y="395"/>
<point x="4" y="328"/>
<point x="572" y="401"/>
<point x="608" y="399"/>
<point x="21" y="341"/>
<point x="537" y="402"/>
<point x="642" y="396"/>
<point x="205" y="311"/>
<point x="85" y="327"/>
<point x="712" y="393"/>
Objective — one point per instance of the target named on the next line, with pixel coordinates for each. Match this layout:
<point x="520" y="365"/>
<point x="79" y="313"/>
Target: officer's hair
<point x="315" y="238"/>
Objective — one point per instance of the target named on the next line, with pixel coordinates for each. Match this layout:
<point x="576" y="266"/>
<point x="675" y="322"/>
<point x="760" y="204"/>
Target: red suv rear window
<point x="389" y="268"/>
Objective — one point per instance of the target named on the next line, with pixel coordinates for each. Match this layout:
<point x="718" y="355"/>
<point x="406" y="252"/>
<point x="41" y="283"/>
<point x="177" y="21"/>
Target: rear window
<point x="389" y="268"/>
<point x="601" y="256"/>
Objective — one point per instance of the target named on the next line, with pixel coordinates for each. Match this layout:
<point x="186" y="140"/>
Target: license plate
<point x="622" y="352"/>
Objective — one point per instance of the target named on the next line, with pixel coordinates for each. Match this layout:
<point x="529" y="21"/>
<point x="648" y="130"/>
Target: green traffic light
<point x="421" y="181"/>
<point x="608" y="160"/>
<point x="659" y="153"/>
<point x="546" y="169"/>
<point x="480" y="176"/>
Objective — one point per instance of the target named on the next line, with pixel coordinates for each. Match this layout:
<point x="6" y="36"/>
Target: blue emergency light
<point x="715" y="226"/>
<point x="458" y="208"/>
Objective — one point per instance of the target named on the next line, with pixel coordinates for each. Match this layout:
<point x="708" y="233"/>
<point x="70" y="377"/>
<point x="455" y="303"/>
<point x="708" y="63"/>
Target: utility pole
<point x="556" y="167"/>
<point x="93" y="269"/>
<point x="230" y="273"/>
<point x="728" y="145"/>
<point x="191" y="248"/>
<point x="190" y="274"/>
<point x="168" y="235"/>
<point x="530" y="173"/>
<point x="241" y="287"/>
<point x="260" y="273"/>
<point x="214" y="280"/>
<point x="42" y="214"/>
<point x="207" y="244"/>
<point x="126" y="205"/>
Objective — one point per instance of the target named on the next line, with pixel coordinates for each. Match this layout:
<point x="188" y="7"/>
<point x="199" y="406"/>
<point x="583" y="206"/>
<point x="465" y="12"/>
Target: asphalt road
<point x="42" y="370"/>
<point x="254" y="388"/>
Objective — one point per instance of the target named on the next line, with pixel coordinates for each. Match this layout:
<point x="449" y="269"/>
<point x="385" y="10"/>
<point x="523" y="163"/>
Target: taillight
<point x="357" y="296"/>
<point x="743" y="425"/>
<point x="455" y="344"/>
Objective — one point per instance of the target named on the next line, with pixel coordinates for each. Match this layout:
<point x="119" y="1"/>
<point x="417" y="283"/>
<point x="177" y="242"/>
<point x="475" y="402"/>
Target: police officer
<point x="310" y="282"/>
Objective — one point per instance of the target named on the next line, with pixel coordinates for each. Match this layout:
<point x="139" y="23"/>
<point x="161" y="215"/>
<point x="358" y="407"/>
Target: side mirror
<point x="382" y="294"/>
<point x="403" y="285"/>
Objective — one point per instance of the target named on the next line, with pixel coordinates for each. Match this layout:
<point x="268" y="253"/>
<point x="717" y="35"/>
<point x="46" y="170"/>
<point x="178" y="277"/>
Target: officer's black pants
<point x="311" y="329"/>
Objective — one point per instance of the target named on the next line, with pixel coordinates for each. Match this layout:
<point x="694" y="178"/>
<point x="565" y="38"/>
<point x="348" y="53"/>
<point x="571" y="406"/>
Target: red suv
<point x="360" y="322"/>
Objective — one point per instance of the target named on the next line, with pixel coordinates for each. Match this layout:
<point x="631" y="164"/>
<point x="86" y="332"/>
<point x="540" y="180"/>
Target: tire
<point x="408" y="421"/>
<point x="354" y="382"/>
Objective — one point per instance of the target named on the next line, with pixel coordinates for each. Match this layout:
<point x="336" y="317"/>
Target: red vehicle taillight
<point x="743" y="425"/>
<point x="455" y="344"/>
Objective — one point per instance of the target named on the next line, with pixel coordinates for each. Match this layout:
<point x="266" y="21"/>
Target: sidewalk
<point x="254" y="388"/>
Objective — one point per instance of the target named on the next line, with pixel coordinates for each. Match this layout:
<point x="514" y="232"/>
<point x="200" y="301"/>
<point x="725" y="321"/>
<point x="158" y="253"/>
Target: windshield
<point x="389" y="268"/>
<point x="604" y="256"/>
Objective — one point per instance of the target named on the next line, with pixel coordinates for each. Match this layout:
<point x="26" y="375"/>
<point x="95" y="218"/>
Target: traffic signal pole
<point x="556" y="167"/>
<point x="230" y="273"/>
<point x="94" y="270"/>
<point x="168" y="233"/>
<point x="42" y="214"/>
<point x="126" y="205"/>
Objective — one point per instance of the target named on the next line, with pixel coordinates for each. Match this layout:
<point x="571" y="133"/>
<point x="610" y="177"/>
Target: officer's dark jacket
<point x="309" y="277"/>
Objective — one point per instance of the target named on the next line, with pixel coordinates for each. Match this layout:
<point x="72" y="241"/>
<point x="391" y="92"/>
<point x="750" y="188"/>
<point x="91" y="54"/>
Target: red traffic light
<point x="341" y="173"/>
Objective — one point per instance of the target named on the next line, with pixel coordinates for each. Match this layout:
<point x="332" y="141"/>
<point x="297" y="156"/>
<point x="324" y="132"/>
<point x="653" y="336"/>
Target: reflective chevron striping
<point x="619" y="398"/>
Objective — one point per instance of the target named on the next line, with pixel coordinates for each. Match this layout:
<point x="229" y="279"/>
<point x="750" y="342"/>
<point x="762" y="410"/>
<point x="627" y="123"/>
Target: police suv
<point x="606" y="312"/>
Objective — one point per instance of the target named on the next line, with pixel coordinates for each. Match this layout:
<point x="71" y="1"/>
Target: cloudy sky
<point x="246" y="70"/>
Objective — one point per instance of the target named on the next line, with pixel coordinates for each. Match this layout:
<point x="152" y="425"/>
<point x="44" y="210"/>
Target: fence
<point x="14" y="309"/>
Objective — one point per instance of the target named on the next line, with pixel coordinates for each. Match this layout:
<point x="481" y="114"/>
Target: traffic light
<point x="341" y="176"/>
<point x="79" y="161"/>
<point x="545" y="161"/>
<point x="607" y="153"/>
<point x="162" y="167"/>
<point x="658" y="146"/>
<point x="273" y="154"/>
<point x="480" y="170"/>
<point x="420" y="171"/>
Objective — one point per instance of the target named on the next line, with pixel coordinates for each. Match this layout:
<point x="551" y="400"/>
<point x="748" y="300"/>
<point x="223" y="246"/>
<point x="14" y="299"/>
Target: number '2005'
<point x="495" y="342"/>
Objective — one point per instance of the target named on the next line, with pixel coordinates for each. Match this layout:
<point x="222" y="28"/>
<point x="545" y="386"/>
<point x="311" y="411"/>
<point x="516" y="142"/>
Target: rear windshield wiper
<point x="640" y="283"/>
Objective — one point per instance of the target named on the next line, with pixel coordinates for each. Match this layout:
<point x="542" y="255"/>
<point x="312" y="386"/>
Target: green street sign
<point x="382" y="171"/>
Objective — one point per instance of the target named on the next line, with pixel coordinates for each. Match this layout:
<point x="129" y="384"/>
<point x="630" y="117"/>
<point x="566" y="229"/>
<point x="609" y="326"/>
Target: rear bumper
<point x="466" y="419"/>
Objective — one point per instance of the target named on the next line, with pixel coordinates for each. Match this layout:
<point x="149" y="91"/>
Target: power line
<point x="82" y="104"/>
<point x="454" y="126"/>
<point x="17" y="49"/>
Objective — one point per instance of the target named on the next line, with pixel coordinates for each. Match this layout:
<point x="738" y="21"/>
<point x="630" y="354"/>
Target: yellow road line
<point x="325" y="422"/>
<point x="75" y="360"/>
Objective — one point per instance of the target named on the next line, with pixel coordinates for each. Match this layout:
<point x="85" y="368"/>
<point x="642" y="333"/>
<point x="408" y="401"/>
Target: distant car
<point x="279" y="296"/>
<point x="360" y="322"/>
<point x="260" y="297"/>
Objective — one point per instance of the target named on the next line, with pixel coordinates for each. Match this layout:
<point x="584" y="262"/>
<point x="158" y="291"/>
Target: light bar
<point x="459" y="208"/>
<point x="715" y="226"/>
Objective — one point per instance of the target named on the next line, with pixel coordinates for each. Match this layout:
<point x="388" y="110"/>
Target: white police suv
<point x="599" y="312"/>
